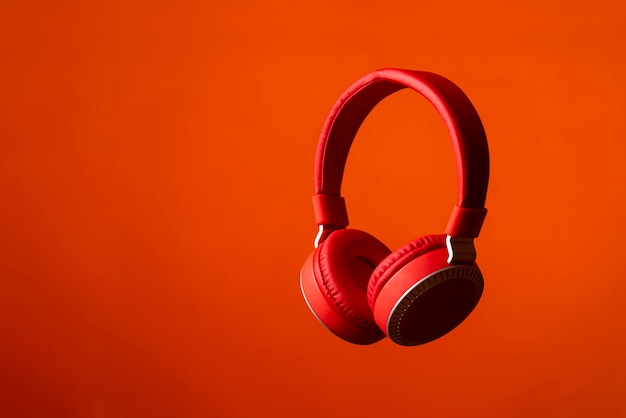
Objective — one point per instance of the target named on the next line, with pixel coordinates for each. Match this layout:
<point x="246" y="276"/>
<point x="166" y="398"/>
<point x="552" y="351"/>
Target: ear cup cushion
<point x="398" y="259"/>
<point x="346" y="260"/>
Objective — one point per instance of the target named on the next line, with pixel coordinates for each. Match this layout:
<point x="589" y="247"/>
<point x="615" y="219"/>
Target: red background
<point x="156" y="175"/>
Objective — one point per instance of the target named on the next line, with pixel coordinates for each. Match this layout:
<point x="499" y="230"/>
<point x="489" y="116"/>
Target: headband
<point x="464" y="127"/>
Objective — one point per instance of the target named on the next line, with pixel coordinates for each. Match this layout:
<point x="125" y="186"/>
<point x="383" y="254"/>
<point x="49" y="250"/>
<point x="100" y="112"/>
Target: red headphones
<point x="352" y="282"/>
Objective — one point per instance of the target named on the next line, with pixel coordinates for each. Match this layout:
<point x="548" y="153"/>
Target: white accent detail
<point x="449" y="247"/>
<point x="318" y="236"/>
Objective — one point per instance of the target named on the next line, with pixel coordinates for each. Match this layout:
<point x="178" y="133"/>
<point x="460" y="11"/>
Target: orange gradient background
<point x="156" y="164"/>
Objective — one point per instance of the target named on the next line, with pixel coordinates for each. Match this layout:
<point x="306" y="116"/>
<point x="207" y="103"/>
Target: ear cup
<point x="398" y="259"/>
<point x="417" y="297"/>
<point x="334" y="283"/>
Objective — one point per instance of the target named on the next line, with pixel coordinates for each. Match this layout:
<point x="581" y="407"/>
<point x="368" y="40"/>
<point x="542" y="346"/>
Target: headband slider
<point x="465" y="222"/>
<point x="330" y="210"/>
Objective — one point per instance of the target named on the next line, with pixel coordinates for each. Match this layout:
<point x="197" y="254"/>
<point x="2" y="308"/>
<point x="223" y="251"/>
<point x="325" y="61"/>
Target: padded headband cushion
<point x="398" y="259"/>
<point x="346" y="261"/>
<point x="460" y="117"/>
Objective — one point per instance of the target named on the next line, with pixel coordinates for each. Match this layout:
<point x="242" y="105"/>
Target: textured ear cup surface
<point x="341" y="267"/>
<point x="398" y="259"/>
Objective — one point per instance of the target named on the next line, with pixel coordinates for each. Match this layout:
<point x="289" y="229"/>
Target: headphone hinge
<point x="460" y="250"/>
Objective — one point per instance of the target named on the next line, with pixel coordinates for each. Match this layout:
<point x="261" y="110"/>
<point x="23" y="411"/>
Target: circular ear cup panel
<point x="340" y="268"/>
<point x="422" y="299"/>
<point x="398" y="259"/>
<point x="435" y="305"/>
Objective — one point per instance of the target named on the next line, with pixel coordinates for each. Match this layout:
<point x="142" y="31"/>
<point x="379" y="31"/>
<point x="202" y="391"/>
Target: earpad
<point x="346" y="260"/>
<point x="398" y="259"/>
